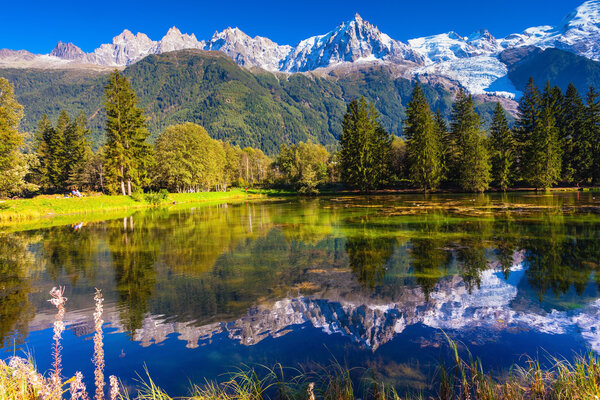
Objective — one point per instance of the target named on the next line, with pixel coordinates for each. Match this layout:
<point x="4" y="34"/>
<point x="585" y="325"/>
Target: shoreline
<point x="21" y="213"/>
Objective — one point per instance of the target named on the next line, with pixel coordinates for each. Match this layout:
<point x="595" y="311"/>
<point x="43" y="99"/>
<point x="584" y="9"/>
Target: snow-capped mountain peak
<point x="351" y="41"/>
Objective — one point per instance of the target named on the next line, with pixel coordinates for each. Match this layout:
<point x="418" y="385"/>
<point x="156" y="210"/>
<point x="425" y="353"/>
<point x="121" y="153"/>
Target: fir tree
<point x="423" y="144"/>
<point x="365" y="146"/>
<point x="502" y="149"/>
<point x="592" y="128"/>
<point x="13" y="164"/>
<point x="545" y="152"/>
<point x="529" y="114"/>
<point x="473" y="164"/>
<point x="51" y="153"/>
<point x="577" y="151"/>
<point x="127" y="153"/>
<point x="446" y="144"/>
<point x="78" y="153"/>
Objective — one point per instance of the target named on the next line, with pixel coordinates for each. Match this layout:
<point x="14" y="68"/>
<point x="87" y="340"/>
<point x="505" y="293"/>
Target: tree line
<point x="554" y="140"/>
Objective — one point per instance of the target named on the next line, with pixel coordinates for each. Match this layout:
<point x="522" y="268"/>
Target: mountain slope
<point x="556" y="66"/>
<point x="258" y="108"/>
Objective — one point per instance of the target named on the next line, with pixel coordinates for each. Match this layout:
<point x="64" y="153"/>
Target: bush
<point x="155" y="198"/>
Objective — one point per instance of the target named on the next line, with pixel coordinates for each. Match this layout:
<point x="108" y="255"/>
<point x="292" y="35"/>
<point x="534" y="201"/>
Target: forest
<point x="555" y="141"/>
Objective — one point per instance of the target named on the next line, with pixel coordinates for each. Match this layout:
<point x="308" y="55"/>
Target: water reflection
<point x="363" y="269"/>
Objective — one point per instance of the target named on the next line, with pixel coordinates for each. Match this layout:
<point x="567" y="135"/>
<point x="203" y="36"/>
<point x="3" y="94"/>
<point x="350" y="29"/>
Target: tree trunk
<point x="122" y="182"/>
<point x="129" y="186"/>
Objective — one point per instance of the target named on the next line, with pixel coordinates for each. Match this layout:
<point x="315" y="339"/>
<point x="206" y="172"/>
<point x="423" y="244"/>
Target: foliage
<point x="472" y="166"/>
<point x="502" y="149"/>
<point x="13" y="164"/>
<point x="304" y="165"/>
<point x="187" y="159"/>
<point x="63" y="153"/>
<point x="423" y="143"/>
<point x="128" y="156"/>
<point x="365" y="145"/>
<point x="247" y="108"/>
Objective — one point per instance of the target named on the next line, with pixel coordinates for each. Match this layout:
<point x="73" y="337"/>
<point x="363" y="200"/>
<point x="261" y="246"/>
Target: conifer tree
<point x="51" y="153"/>
<point x="502" y="149"/>
<point x="529" y="114"/>
<point x="78" y="152"/>
<point x="445" y="143"/>
<point x="423" y="142"/>
<point x="577" y="151"/>
<point x="127" y="153"/>
<point x="365" y="147"/>
<point x="473" y="163"/>
<point x="13" y="165"/>
<point x="544" y="166"/>
<point x="592" y="128"/>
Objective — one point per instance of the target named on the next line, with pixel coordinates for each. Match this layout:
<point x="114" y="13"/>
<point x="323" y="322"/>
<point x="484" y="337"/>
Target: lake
<point x="372" y="283"/>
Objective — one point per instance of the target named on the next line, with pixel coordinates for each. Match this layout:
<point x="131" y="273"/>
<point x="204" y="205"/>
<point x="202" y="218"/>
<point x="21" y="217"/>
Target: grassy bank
<point x="56" y="206"/>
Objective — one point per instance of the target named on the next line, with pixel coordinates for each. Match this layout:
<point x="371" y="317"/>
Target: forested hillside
<point x="556" y="66"/>
<point x="249" y="108"/>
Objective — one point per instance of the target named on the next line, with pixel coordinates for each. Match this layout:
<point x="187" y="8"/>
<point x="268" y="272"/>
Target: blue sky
<point x="37" y="25"/>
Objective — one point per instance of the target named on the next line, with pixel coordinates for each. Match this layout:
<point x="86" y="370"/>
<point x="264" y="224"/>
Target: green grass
<point x="26" y="210"/>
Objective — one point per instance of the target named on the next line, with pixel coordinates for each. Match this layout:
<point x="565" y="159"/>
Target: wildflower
<point x="114" y="387"/>
<point x="58" y="300"/>
<point x="78" y="388"/>
<point x="98" y="350"/>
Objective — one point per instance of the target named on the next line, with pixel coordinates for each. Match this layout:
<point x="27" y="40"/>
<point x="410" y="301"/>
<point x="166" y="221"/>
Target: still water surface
<point x="372" y="282"/>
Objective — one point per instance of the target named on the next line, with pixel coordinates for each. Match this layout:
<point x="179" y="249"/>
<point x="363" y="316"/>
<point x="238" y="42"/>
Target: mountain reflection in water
<point x="360" y="270"/>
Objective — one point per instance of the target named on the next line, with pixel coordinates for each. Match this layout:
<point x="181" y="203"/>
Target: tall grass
<point x="463" y="379"/>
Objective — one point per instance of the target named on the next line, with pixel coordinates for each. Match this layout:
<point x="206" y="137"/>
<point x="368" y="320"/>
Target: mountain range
<point x="474" y="62"/>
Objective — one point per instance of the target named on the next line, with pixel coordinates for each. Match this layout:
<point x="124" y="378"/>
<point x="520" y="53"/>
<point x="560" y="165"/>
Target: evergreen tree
<point x="446" y="144"/>
<point x="529" y="114"/>
<point x="577" y="152"/>
<point x="592" y="129"/>
<point x="63" y="152"/>
<point x="473" y="165"/>
<point x="13" y="164"/>
<point x="544" y="151"/>
<point x="128" y="156"/>
<point x="364" y="147"/>
<point x="51" y="153"/>
<point x="423" y="143"/>
<point x="502" y="149"/>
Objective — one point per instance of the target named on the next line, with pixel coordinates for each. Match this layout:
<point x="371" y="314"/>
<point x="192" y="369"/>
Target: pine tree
<point x="473" y="164"/>
<point x="13" y="165"/>
<point x="502" y="149"/>
<point x="365" y="147"/>
<point x="546" y="154"/>
<point x="446" y="144"/>
<point x="423" y="142"/>
<point x="127" y="153"/>
<point x="51" y="153"/>
<point x="577" y="152"/>
<point x="529" y="114"/>
<point x="592" y="128"/>
<point x="77" y="154"/>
